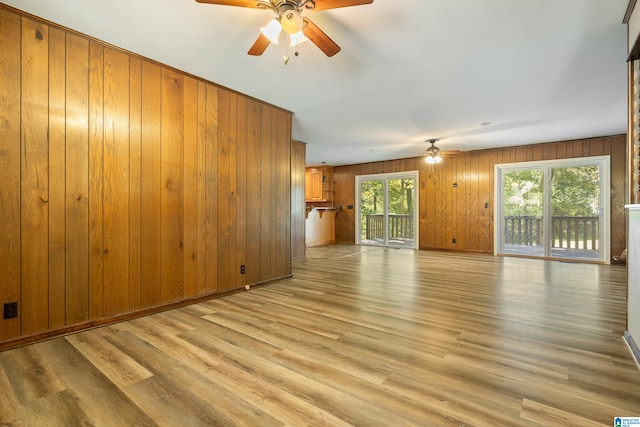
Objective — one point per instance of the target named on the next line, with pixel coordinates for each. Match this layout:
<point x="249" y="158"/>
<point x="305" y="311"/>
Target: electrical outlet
<point x="243" y="269"/>
<point x="10" y="310"/>
<point x="453" y="240"/>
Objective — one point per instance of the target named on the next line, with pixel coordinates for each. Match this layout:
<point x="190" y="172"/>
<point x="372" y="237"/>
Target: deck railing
<point x="400" y="226"/>
<point x="569" y="232"/>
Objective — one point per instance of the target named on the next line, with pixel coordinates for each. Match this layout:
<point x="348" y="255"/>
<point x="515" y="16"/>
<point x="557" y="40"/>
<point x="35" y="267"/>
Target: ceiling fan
<point x="290" y="21"/>
<point x="433" y="153"/>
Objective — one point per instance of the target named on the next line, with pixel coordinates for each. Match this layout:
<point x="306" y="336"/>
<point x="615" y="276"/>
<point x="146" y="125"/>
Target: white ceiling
<point x="409" y="70"/>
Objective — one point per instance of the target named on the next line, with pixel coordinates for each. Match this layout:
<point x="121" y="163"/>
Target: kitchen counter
<point x="320" y="226"/>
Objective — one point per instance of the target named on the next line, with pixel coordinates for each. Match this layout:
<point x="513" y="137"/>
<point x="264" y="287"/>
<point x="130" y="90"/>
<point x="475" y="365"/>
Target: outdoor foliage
<point x="574" y="192"/>
<point x="523" y="193"/>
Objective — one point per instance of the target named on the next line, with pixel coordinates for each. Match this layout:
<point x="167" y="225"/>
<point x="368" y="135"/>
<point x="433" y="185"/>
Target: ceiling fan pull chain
<point x="286" y="57"/>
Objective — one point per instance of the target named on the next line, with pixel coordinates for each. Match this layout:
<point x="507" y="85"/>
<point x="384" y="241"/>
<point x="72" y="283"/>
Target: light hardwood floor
<point x="360" y="336"/>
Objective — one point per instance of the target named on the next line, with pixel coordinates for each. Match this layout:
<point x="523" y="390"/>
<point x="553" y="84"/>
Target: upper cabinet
<point x="313" y="186"/>
<point x="319" y="184"/>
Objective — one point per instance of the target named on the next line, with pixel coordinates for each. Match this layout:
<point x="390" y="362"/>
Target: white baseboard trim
<point x="633" y="348"/>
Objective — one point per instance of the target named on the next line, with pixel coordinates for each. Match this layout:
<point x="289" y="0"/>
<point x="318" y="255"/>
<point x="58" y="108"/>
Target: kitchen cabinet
<point x="313" y="186"/>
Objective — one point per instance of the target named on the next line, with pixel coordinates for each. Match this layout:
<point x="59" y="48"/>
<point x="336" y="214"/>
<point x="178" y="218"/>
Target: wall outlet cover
<point x="10" y="310"/>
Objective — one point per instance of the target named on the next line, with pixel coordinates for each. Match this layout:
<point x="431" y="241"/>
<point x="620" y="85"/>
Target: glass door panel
<point x="372" y="203"/>
<point x="575" y="212"/>
<point x="523" y="212"/>
<point x="401" y="220"/>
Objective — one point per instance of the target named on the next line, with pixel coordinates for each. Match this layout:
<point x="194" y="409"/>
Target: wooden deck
<point x="362" y="336"/>
<point x="538" y="251"/>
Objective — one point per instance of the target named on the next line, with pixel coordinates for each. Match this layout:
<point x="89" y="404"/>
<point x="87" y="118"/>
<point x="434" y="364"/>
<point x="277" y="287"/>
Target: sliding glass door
<point x="387" y="210"/>
<point x="576" y="212"/>
<point x="554" y="209"/>
<point x="522" y="208"/>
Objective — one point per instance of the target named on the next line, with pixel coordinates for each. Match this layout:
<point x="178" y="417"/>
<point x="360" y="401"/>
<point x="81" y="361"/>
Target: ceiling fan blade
<point x="259" y="46"/>
<point x="334" y="4"/>
<point x="450" y="152"/>
<point x="319" y="38"/>
<point x="239" y="3"/>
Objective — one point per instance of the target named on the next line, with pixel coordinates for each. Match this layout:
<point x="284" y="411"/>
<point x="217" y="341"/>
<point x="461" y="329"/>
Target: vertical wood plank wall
<point x="298" y="205"/>
<point x="126" y="185"/>
<point x="633" y="132"/>
<point x="447" y="212"/>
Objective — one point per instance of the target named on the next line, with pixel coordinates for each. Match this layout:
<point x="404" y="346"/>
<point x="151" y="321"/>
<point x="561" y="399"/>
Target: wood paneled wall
<point x="127" y="185"/>
<point x="633" y="130"/>
<point x="447" y="212"/>
<point x="298" y="207"/>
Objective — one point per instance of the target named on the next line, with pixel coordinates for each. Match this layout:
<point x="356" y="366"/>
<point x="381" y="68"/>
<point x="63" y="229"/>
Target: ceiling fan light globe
<point x="430" y="160"/>
<point x="297" y="38"/>
<point x="272" y="31"/>
<point x="437" y="159"/>
<point x="291" y="22"/>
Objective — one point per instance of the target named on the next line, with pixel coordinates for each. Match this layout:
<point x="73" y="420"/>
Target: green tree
<point x="575" y="191"/>
<point x="371" y="201"/>
<point x="523" y="193"/>
<point x="401" y="196"/>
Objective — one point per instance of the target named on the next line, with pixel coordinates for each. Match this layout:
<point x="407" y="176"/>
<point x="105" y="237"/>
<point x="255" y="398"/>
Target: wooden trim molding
<point x="633" y="48"/>
<point x="633" y="138"/>
<point x="635" y="52"/>
<point x="629" y="11"/>
<point x="24" y="340"/>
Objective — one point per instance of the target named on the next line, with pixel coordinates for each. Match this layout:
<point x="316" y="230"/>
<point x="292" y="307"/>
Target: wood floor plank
<point x="96" y="398"/>
<point x="10" y="409"/>
<point x="243" y="373"/>
<point x="308" y="391"/>
<point x="29" y="374"/>
<point x="329" y="351"/>
<point x="545" y="415"/>
<point x="169" y="344"/>
<point x="359" y="336"/>
<point x="114" y="364"/>
<point x="179" y="395"/>
<point x="57" y="409"/>
<point x="415" y="411"/>
<point x="459" y="399"/>
<point x="520" y="364"/>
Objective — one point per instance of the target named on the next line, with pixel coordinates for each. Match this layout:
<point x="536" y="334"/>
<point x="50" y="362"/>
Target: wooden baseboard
<point x="30" y="339"/>
<point x="633" y="347"/>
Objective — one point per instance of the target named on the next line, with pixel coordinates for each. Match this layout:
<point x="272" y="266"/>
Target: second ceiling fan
<point x="290" y="21"/>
